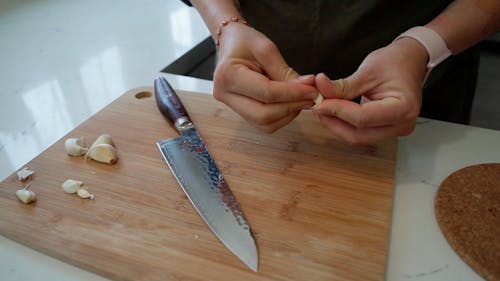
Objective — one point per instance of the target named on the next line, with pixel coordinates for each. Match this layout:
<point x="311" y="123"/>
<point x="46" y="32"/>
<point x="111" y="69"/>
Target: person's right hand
<point x="253" y="79"/>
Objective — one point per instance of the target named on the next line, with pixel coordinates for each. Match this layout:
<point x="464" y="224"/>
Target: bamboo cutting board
<point x="319" y="210"/>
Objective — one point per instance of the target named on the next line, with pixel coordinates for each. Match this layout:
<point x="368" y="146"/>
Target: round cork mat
<point x="467" y="207"/>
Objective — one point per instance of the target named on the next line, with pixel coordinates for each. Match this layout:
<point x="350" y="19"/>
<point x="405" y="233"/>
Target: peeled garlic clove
<point x="75" y="147"/>
<point x="24" y="173"/>
<point x="71" y="186"/>
<point x="84" y="193"/>
<point x="26" y="196"/>
<point x="104" y="153"/>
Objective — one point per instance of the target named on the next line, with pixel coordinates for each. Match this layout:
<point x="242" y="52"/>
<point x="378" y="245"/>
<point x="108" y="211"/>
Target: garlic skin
<point x="84" y="193"/>
<point x="26" y="196"/>
<point x="75" y="147"/>
<point x="24" y="174"/>
<point x="71" y="186"/>
<point x="103" y="150"/>
<point x="104" y="138"/>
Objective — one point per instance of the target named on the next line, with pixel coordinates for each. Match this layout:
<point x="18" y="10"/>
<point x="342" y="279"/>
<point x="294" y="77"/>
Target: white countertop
<point x="62" y="61"/>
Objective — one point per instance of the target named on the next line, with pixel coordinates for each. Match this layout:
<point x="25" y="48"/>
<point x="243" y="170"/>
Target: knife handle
<point x="169" y="103"/>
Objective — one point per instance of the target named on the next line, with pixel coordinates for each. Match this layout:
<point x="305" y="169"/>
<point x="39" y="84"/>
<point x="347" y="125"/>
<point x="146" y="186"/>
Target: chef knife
<point x="201" y="180"/>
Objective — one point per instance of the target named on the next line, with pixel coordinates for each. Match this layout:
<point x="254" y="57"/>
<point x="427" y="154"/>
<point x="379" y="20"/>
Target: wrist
<point x="414" y="54"/>
<point x="214" y="12"/>
<point x="431" y="41"/>
<point x="224" y="23"/>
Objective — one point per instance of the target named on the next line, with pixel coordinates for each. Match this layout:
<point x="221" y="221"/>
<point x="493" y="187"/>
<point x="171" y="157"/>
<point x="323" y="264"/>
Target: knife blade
<point x="200" y="179"/>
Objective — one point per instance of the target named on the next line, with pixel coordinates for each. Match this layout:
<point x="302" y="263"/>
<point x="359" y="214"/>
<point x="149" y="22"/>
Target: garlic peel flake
<point x="24" y="173"/>
<point x="84" y="193"/>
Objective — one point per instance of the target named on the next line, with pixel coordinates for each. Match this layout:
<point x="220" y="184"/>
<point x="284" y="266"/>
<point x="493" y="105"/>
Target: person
<point x="374" y="82"/>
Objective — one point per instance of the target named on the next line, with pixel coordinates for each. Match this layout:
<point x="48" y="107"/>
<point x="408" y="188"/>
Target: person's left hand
<point x="389" y="81"/>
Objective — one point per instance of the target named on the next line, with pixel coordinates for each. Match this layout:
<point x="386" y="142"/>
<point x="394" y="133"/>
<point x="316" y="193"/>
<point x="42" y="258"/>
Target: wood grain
<point x="319" y="210"/>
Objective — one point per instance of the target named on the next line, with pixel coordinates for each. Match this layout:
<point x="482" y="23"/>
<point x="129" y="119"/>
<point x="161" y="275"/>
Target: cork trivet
<point x="467" y="207"/>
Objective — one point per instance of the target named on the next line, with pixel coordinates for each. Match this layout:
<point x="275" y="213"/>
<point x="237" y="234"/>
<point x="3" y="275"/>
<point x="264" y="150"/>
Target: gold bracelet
<point x="225" y="23"/>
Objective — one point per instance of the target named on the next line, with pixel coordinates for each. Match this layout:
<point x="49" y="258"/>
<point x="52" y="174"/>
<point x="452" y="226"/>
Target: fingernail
<point x="305" y="77"/>
<point x="323" y="74"/>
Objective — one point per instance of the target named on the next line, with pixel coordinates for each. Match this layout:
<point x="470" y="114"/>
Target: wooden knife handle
<point x="169" y="103"/>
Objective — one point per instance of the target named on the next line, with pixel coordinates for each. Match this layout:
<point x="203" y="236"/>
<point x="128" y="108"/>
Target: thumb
<point x="343" y="88"/>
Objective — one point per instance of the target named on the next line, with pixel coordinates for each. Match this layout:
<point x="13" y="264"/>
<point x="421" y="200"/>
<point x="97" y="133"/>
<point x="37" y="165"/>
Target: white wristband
<point x="432" y="42"/>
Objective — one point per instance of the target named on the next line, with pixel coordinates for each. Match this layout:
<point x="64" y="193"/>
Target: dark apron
<point x="335" y="36"/>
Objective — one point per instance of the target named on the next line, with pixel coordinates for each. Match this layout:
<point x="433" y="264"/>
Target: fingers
<point x="364" y="136"/>
<point x="275" y="67"/>
<point x="388" y="108"/>
<point x="347" y="88"/>
<point x="267" y="93"/>
<point x="265" y="116"/>
<point x="237" y="78"/>
<point x="305" y="79"/>
<point x="272" y="127"/>
<point x="254" y="80"/>
<point x="373" y="113"/>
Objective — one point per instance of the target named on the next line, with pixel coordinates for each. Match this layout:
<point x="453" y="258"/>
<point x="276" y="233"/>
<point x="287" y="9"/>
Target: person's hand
<point x="253" y="79"/>
<point x="389" y="82"/>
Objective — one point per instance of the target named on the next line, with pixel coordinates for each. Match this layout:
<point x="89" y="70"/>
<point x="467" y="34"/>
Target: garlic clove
<point x="318" y="99"/>
<point x="24" y="173"/>
<point x="71" y="186"/>
<point x="84" y="193"/>
<point x="75" y="186"/>
<point x="104" y="138"/>
<point x="75" y="147"/>
<point x="26" y="196"/>
<point x="104" y="153"/>
<point x="103" y="150"/>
